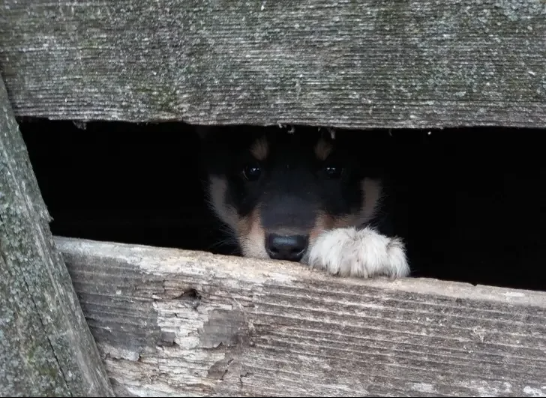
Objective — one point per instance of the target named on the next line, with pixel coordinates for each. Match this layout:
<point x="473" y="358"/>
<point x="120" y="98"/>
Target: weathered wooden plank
<point x="172" y="322"/>
<point x="347" y="63"/>
<point x="46" y="348"/>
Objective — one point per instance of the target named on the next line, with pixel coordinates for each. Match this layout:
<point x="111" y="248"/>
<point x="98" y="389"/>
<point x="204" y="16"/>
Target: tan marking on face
<point x="323" y="149"/>
<point x="217" y="199"/>
<point x="260" y="149"/>
<point x="350" y="220"/>
<point x="326" y="222"/>
<point x="323" y="222"/>
<point x="251" y="236"/>
<point x="372" y="192"/>
<point x="371" y="196"/>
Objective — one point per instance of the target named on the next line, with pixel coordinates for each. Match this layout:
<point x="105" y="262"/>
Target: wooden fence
<point x="88" y="318"/>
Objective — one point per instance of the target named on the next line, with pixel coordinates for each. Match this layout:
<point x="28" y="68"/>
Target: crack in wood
<point x="264" y="328"/>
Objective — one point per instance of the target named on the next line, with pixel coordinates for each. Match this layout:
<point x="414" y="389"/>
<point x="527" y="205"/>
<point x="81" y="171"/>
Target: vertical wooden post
<point x="46" y="347"/>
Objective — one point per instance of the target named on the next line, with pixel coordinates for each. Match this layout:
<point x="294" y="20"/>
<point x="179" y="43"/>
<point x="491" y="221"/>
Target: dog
<point x="305" y="195"/>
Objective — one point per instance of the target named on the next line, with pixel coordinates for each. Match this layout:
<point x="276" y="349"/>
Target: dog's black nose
<point x="283" y="247"/>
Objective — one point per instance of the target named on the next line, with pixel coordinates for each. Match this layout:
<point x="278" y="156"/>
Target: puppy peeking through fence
<point x="308" y="196"/>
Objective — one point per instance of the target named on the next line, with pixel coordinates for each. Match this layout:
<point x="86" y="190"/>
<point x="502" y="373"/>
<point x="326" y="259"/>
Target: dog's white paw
<point x="361" y="253"/>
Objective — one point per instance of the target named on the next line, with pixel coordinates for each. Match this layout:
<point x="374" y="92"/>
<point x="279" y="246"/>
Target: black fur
<point x="294" y="185"/>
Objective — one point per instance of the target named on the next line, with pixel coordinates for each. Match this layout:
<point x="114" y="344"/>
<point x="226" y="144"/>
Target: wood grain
<point x="46" y="348"/>
<point x="171" y="322"/>
<point x="357" y="64"/>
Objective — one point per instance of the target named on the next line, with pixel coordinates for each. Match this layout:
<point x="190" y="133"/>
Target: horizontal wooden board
<point x="348" y="63"/>
<point x="172" y="322"/>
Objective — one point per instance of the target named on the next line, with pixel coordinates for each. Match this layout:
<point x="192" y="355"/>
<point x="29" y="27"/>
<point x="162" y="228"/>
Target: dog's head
<point x="277" y="191"/>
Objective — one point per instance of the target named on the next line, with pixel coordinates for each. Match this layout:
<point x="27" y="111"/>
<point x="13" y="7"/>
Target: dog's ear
<point x="203" y="131"/>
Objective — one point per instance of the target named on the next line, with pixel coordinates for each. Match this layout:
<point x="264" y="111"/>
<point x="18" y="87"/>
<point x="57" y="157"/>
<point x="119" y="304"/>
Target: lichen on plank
<point x="356" y="64"/>
<point x="46" y="348"/>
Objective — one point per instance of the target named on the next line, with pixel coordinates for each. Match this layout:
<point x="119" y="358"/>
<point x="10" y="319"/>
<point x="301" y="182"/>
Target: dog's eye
<point x="333" y="172"/>
<point x="252" y="172"/>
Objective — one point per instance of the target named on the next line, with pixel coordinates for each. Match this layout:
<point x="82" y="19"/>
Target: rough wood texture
<point x="363" y="63"/>
<point x="46" y="347"/>
<point x="172" y="322"/>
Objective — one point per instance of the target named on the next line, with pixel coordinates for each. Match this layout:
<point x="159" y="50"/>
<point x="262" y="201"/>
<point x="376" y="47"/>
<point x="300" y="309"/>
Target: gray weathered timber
<point x="172" y="322"/>
<point x="344" y="63"/>
<point x="46" y="348"/>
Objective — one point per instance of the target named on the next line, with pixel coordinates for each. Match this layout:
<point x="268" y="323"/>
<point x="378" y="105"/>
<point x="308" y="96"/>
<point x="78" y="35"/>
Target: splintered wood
<point x="172" y="322"/>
